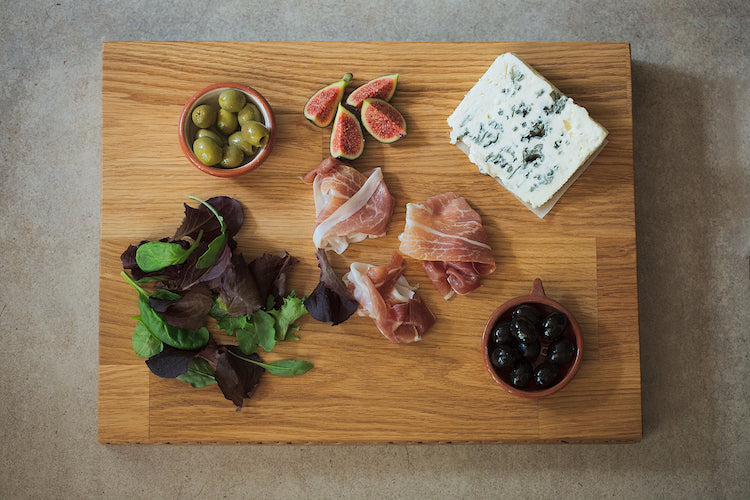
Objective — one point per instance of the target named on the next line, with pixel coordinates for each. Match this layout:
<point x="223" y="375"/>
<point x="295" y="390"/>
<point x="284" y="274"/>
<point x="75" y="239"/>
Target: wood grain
<point x="364" y="389"/>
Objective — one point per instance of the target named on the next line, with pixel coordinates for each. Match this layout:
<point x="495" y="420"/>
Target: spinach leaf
<point x="156" y="255"/>
<point x="145" y="344"/>
<point x="217" y="244"/>
<point x="199" y="373"/>
<point x="283" y="367"/>
<point x="180" y="338"/>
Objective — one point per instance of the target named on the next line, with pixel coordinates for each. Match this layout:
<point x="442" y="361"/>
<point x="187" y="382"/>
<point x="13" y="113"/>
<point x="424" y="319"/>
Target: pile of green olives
<point x="529" y="349"/>
<point x="231" y="135"/>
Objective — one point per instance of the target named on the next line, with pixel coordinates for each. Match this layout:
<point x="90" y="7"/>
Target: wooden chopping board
<point x="364" y="389"/>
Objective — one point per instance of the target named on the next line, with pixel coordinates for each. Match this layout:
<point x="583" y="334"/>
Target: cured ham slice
<point x="349" y="205"/>
<point x="447" y="235"/>
<point x="386" y="296"/>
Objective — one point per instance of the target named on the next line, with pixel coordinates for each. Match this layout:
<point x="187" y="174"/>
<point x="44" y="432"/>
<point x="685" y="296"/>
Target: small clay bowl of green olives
<point x="227" y="129"/>
<point x="532" y="346"/>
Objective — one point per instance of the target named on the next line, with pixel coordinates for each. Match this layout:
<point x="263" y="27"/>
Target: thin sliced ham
<point x="349" y="206"/>
<point x="447" y="235"/>
<point x="386" y="296"/>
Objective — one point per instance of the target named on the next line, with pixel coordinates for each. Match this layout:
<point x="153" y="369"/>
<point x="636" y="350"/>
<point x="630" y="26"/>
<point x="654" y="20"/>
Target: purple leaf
<point x="330" y="301"/>
<point x="170" y="362"/>
<point x="236" y="377"/>
<point x="237" y="289"/>
<point x="189" y="311"/>
<point x="270" y="273"/>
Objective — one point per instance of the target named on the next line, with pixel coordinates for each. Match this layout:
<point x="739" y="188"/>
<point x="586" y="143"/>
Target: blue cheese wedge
<point x="520" y="129"/>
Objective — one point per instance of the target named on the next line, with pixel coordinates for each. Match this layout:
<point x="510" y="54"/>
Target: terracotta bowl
<point x="210" y="95"/>
<point x="545" y="305"/>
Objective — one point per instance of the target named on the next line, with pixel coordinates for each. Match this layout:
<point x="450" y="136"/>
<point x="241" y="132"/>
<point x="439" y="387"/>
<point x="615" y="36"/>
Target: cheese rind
<point x="521" y="130"/>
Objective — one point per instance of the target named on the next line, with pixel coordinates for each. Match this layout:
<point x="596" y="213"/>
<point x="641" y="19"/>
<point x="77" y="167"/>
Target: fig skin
<point x="347" y="139"/>
<point x="322" y="107"/>
<point x="382" y="120"/>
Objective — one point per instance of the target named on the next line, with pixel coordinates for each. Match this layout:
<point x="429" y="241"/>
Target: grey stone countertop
<point x="692" y="183"/>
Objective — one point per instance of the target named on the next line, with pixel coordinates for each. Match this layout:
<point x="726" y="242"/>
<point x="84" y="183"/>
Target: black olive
<point x="530" y="349"/>
<point x="501" y="333"/>
<point x="527" y="311"/>
<point x="504" y="356"/>
<point x="545" y="374"/>
<point x="524" y="330"/>
<point x="520" y="376"/>
<point x="554" y="325"/>
<point x="561" y="351"/>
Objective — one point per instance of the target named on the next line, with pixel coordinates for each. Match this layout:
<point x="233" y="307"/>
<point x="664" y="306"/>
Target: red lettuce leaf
<point x="170" y="362"/>
<point x="202" y="219"/>
<point x="270" y="274"/>
<point x="236" y="377"/>
<point x="189" y="311"/>
<point x="237" y="289"/>
<point x="330" y="301"/>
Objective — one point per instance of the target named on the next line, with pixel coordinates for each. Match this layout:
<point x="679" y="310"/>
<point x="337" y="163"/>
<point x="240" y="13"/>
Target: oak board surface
<point x="364" y="389"/>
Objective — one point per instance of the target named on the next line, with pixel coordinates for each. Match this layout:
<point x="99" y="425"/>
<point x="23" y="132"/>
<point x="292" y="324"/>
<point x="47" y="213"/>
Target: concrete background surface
<point x="692" y="183"/>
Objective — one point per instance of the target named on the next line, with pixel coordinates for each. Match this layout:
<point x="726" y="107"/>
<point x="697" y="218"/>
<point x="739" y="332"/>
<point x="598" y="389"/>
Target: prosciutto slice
<point x="386" y="296"/>
<point x="447" y="235"/>
<point x="349" y="206"/>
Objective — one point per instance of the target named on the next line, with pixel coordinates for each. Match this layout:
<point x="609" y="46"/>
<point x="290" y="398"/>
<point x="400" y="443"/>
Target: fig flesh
<point x="382" y="88"/>
<point x="321" y="108"/>
<point x="347" y="139"/>
<point x="382" y="121"/>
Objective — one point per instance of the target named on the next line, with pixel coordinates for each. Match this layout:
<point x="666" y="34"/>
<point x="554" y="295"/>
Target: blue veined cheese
<point x="517" y="127"/>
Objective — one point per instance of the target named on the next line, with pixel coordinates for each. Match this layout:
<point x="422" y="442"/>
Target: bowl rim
<point x="537" y="296"/>
<point x="268" y="116"/>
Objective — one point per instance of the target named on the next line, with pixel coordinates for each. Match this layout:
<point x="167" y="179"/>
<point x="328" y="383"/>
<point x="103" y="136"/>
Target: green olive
<point x="249" y="113"/>
<point x="232" y="100"/>
<point x="204" y="132"/>
<point x="204" y="116"/>
<point x="226" y="122"/>
<point x="207" y="151"/>
<point x="255" y="133"/>
<point x="237" y="139"/>
<point x="232" y="157"/>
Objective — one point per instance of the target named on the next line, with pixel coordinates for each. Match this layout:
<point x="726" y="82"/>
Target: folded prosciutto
<point x="386" y="296"/>
<point x="447" y="235"/>
<point x="349" y="206"/>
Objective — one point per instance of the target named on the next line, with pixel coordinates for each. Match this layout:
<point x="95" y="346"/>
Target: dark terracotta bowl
<point x="210" y="95"/>
<point x="544" y="304"/>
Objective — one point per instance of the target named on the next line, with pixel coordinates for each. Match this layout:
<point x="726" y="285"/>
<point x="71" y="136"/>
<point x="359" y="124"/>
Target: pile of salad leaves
<point x="197" y="274"/>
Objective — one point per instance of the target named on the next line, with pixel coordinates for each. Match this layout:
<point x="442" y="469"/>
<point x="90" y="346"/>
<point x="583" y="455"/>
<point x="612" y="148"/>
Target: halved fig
<point x="382" y="120"/>
<point x="382" y="88"/>
<point x="347" y="139"/>
<point x="321" y="108"/>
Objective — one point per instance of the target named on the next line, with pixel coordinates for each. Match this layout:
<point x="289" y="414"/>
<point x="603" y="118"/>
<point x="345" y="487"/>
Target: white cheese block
<point x="517" y="127"/>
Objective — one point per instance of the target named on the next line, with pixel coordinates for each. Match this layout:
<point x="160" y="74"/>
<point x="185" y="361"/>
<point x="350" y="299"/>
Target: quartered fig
<point x="382" y="120"/>
<point x="321" y="108"/>
<point x="382" y="88"/>
<point x="347" y="140"/>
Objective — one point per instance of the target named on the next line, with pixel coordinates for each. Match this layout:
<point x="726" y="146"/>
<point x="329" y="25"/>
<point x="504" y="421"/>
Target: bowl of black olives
<point x="227" y="129"/>
<point x="532" y="345"/>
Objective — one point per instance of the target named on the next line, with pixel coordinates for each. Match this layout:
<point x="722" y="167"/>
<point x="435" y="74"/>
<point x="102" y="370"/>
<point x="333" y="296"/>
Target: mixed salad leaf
<point x="330" y="301"/>
<point x="197" y="273"/>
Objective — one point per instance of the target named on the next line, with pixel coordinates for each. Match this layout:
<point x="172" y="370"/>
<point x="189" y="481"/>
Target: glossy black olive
<point x="527" y="311"/>
<point x="553" y="326"/>
<point x="545" y="374"/>
<point x="520" y="376"/>
<point x="504" y="356"/>
<point x="561" y="351"/>
<point x="530" y="349"/>
<point x="524" y="330"/>
<point x="501" y="333"/>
